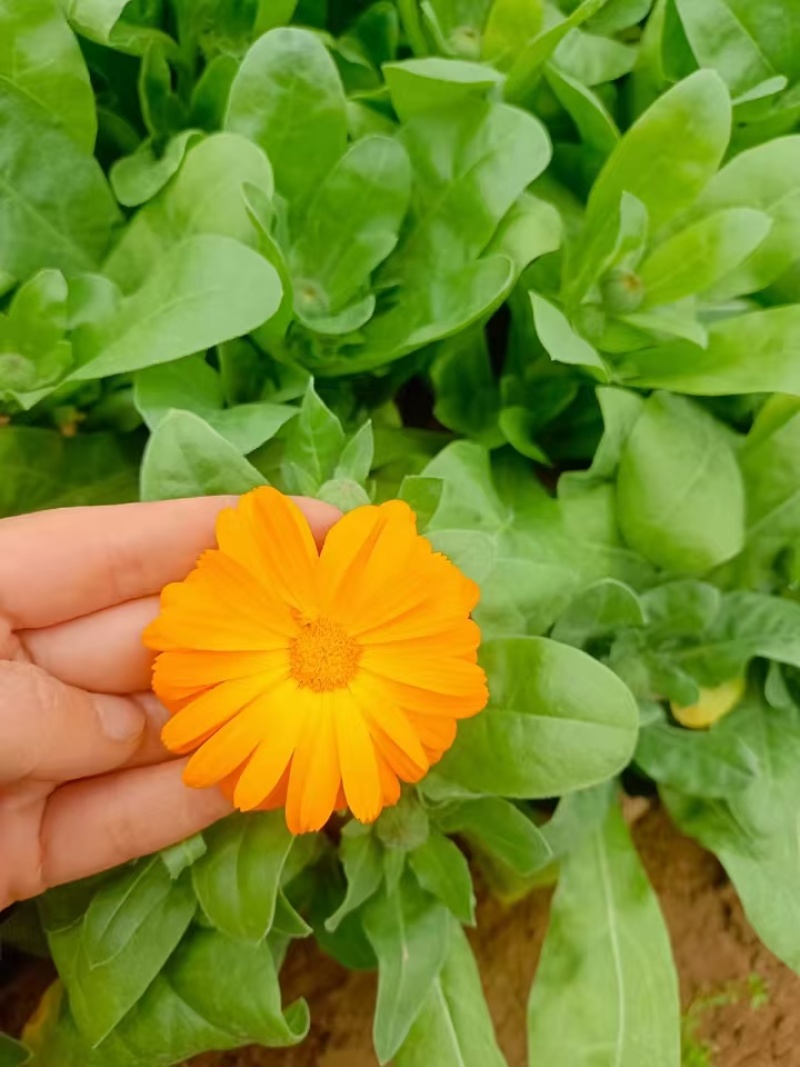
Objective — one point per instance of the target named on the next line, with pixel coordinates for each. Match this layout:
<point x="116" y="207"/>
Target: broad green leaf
<point x="238" y="879"/>
<point x="754" y="831"/>
<point x="751" y="353"/>
<point x="599" y="610"/>
<point x="206" y="196"/>
<point x="681" y="608"/>
<point x="355" y="461"/>
<point x="289" y="72"/>
<point x="313" y="445"/>
<point x="34" y="352"/>
<point x="680" y="494"/>
<point x="118" y="911"/>
<point x="509" y="27"/>
<point x="454" y="1026"/>
<point x="205" y="290"/>
<point x="190" y="384"/>
<point x="40" y="57"/>
<point x="771" y="469"/>
<point x="43" y="469"/>
<point x="418" y="85"/>
<point x="214" y="993"/>
<point x="700" y="763"/>
<point x="530" y="229"/>
<point x="606" y="990"/>
<point x="499" y="828"/>
<point x="760" y="179"/>
<point x="350" y="227"/>
<point x="593" y="60"/>
<point x="695" y="258"/>
<point x="410" y="932"/>
<point x="595" y="125"/>
<point x="102" y="994"/>
<point x="94" y="19"/>
<point x="442" y="870"/>
<point x="138" y="177"/>
<point x="530" y="60"/>
<point x="493" y="152"/>
<point x="557" y="721"/>
<point x="187" y="457"/>
<point x="619" y="15"/>
<point x="720" y="41"/>
<point x="467" y="397"/>
<point x="12" y="1053"/>
<point x="178" y="858"/>
<point x="561" y="342"/>
<point x="577" y="816"/>
<point x="56" y="209"/>
<point x="687" y="130"/>
<point x="747" y="624"/>
<point x="405" y="825"/>
<point x="363" y="867"/>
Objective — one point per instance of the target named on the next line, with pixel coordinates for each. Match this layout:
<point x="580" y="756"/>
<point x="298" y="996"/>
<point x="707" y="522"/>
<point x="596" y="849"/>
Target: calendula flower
<point x="316" y="679"/>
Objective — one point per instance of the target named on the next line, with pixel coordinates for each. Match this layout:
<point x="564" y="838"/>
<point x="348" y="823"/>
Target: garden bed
<point x="742" y="1006"/>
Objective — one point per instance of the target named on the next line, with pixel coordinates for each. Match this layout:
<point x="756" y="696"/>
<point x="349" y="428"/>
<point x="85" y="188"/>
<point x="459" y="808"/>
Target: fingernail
<point x="120" y="719"/>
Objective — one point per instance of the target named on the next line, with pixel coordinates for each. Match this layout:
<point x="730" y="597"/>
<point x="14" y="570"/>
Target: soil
<point x="742" y="1005"/>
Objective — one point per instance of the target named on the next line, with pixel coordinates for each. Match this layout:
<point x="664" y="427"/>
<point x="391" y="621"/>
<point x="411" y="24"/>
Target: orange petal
<point x="314" y="778"/>
<point x="359" y="765"/>
<point x="224" y="752"/>
<point x="214" y="708"/>
<point x="283" y="726"/>
<point x="269" y="536"/>
<point x="177" y="674"/>
<point x="455" y="677"/>
<point x="388" y="719"/>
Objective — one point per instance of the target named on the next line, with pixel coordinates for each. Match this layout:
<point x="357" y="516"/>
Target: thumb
<point x="54" y="732"/>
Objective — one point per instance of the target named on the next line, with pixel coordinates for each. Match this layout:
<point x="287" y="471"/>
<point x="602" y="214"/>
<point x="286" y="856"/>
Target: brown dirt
<point x="743" y="1005"/>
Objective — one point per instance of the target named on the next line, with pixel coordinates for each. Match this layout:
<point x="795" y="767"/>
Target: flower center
<point x="323" y="657"/>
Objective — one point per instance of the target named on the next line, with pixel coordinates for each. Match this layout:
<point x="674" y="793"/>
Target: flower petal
<point x="357" y="758"/>
<point x="315" y="777"/>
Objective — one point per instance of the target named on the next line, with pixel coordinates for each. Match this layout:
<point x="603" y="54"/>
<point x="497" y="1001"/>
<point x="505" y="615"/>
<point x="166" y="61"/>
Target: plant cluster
<point x="531" y="266"/>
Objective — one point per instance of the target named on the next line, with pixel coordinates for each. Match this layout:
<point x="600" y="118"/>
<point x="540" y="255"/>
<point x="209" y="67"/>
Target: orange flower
<point x="311" y="679"/>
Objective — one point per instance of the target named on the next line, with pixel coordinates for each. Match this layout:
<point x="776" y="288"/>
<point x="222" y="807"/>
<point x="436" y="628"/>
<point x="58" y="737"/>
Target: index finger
<point x="63" y="564"/>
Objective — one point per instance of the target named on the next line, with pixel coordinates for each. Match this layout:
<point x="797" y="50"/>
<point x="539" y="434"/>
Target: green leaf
<point x="759" y="179"/>
<point x="238" y="879"/>
<point x="355" y="461"/>
<point x="606" y="984"/>
<point x="686" y="130"/>
<point x="287" y="72"/>
<point x="561" y="342"/>
<point x="418" y="85"/>
<point x="12" y="1053"/>
<point x="43" y="469"/>
<point x="442" y="870"/>
<point x="509" y="26"/>
<point x="404" y="826"/>
<point x="410" y="933"/>
<point x="601" y="609"/>
<point x="746" y="625"/>
<point x="557" y="721"/>
<point x="187" y="457"/>
<point x="205" y="290"/>
<point x="362" y="860"/>
<point x="313" y="446"/>
<point x="178" y="858"/>
<point x="190" y="384"/>
<point x="680" y="495"/>
<point x="34" y="352"/>
<point x="751" y="353"/>
<point x="701" y="763"/>
<point x="118" y="911"/>
<point x="140" y="176"/>
<point x="499" y="828"/>
<point x="94" y="19"/>
<point x="207" y="195"/>
<point x="350" y="227"/>
<point x="454" y="1025"/>
<point x="102" y="993"/>
<point x="720" y="41"/>
<point x="530" y="60"/>
<point x="695" y="258"/>
<point x="595" y="125"/>
<point x="754" y="831"/>
<point x="56" y="209"/>
<point x="40" y="57"/>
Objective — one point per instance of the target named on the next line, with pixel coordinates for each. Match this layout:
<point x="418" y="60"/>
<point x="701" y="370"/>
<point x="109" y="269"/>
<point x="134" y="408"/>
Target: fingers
<point x="60" y="565"/>
<point x="92" y="825"/>
<point x="102" y="651"/>
<point x="54" y="732"/>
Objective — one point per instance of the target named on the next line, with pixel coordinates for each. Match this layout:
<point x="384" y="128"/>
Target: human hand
<point x="85" y="783"/>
